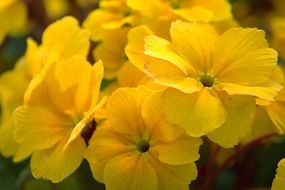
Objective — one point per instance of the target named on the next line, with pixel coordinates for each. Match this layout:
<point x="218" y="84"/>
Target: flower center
<point x="207" y="80"/>
<point x="143" y="146"/>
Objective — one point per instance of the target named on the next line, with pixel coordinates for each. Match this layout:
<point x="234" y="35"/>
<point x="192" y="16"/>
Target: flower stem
<point x="239" y="151"/>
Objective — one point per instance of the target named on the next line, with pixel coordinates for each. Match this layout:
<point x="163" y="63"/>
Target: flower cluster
<point x="180" y="71"/>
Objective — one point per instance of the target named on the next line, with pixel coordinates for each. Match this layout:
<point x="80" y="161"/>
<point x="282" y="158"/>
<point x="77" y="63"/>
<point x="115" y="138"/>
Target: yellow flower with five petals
<point x="212" y="78"/>
<point x="137" y="148"/>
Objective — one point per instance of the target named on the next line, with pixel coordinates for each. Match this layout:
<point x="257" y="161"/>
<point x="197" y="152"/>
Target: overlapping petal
<point x="198" y="113"/>
<point x="240" y="116"/>
<point x="130" y="172"/>
<point x="59" y="161"/>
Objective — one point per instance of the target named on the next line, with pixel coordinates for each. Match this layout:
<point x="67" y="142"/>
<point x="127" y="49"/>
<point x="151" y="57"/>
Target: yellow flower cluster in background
<point x="13" y="17"/>
<point x="181" y="71"/>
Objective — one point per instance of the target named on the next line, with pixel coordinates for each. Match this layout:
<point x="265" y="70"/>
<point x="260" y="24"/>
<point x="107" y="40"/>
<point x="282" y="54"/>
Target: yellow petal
<point x="153" y="67"/>
<point x="157" y="125"/>
<point x="55" y="8"/>
<point x="131" y="171"/>
<point x="279" y="180"/>
<point x="130" y="76"/>
<point x="135" y="47"/>
<point x="195" y="48"/>
<point x="278" y="74"/>
<point x="196" y="13"/>
<point x="66" y="37"/>
<point x="59" y="161"/>
<point x="151" y="9"/>
<point x="69" y="86"/>
<point x="183" y="150"/>
<point x="262" y="63"/>
<point x="237" y="47"/>
<point x="262" y="125"/>
<point x="38" y="128"/>
<point x="8" y="145"/>
<point x="266" y="91"/>
<point x="112" y="54"/>
<point x="124" y="110"/>
<point x="238" y="125"/>
<point x="22" y="153"/>
<point x="162" y="49"/>
<point x="198" y="113"/>
<point x="88" y="116"/>
<point x="13" y="85"/>
<point x="162" y="72"/>
<point x="104" y="145"/>
<point x="221" y="9"/>
<point x="79" y="78"/>
<point x="165" y="74"/>
<point x="276" y="112"/>
<point x="281" y="95"/>
<point x="34" y="58"/>
<point x="174" y="177"/>
<point x="94" y="20"/>
<point x="120" y="21"/>
<point x="13" y="16"/>
<point x="237" y="42"/>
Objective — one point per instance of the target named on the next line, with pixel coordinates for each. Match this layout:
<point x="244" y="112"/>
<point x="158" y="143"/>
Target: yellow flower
<point x="109" y="26"/>
<point x="138" y="149"/>
<point x="65" y="38"/>
<point x="61" y="40"/>
<point x="278" y="32"/>
<point x="13" y="85"/>
<point x="202" y="10"/>
<point x="58" y="115"/>
<point x="111" y="51"/>
<point x="56" y="8"/>
<point x="112" y="14"/>
<point x="110" y="23"/>
<point x="212" y="85"/>
<point x="279" y="180"/>
<point x="13" y="15"/>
